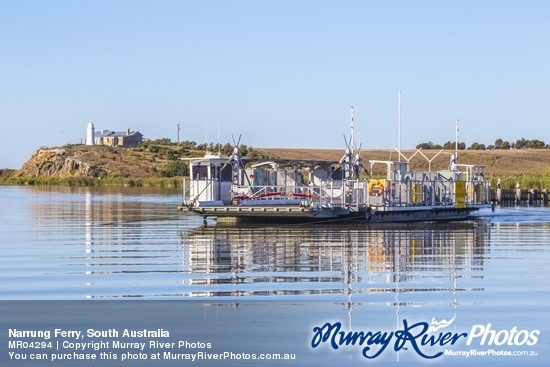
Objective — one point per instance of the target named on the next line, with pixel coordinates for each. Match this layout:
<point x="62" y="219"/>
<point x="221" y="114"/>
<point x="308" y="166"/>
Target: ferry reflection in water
<point x="224" y="260"/>
<point x="100" y="244"/>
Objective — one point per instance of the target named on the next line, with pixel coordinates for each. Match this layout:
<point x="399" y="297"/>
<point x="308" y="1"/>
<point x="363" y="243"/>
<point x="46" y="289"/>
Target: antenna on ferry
<point x="206" y="135"/>
<point x="352" y="129"/>
<point x="399" y="124"/>
<point x="456" y="140"/>
<point x="358" y="164"/>
<point x="347" y="159"/>
<point x="453" y="164"/>
<point x="219" y="143"/>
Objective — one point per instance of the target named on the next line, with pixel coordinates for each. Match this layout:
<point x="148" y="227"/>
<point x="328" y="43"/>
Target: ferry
<point x="240" y="189"/>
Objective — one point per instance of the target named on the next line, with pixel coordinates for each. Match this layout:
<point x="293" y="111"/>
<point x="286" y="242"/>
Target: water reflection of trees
<point x="336" y="259"/>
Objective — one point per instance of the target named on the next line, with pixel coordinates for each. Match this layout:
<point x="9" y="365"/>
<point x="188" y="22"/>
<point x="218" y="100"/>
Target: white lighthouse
<point x="90" y="134"/>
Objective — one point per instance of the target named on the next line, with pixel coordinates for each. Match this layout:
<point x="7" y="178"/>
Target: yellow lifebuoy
<point x="376" y="188"/>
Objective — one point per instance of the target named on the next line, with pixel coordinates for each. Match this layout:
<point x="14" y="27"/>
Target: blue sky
<point x="281" y="73"/>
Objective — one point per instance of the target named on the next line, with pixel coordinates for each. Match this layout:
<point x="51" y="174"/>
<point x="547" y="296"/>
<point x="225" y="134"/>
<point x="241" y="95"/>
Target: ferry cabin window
<point x="200" y="172"/>
<point x="336" y="174"/>
<point x="226" y="173"/>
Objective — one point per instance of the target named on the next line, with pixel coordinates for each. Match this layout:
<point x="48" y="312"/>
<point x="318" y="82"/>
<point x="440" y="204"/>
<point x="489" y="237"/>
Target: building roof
<point x="116" y="134"/>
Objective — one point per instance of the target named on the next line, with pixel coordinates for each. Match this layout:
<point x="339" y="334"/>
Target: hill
<point x="91" y="161"/>
<point x="87" y="165"/>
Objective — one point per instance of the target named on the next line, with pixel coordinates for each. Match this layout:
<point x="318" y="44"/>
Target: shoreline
<point x="172" y="182"/>
<point x="526" y="182"/>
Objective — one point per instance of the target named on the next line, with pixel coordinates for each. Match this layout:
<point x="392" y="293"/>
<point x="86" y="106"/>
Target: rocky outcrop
<point x="59" y="162"/>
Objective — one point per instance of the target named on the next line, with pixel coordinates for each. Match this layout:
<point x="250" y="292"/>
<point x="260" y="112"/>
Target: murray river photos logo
<point x="426" y="339"/>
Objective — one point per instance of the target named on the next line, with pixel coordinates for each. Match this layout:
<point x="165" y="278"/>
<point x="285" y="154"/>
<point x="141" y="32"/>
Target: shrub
<point x="174" y="169"/>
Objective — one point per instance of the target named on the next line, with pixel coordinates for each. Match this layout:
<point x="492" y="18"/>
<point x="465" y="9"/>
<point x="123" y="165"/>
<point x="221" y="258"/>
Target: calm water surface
<point x="112" y="243"/>
<point x="79" y="243"/>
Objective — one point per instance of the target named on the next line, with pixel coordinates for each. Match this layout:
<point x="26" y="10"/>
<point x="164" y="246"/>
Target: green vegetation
<point x="171" y="150"/>
<point x="447" y="146"/>
<point x="530" y="144"/>
<point x="175" y="168"/>
<point x="538" y="182"/>
<point x="91" y="181"/>
<point x="499" y="144"/>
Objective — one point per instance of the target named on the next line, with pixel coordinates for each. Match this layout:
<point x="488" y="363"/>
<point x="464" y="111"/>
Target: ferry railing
<point x="442" y="191"/>
<point x="359" y="193"/>
<point x="478" y="192"/>
<point x="435" y="191"/>
<point x="332" y="193"/>
<point x="427" y="192"/>
<point x="282" y="191"/>
<point x="347" y="193"/>
<point x="324" y="194"/>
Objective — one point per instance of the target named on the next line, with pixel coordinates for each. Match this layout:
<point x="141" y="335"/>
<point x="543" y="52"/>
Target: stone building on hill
<point x="126" y="139"/>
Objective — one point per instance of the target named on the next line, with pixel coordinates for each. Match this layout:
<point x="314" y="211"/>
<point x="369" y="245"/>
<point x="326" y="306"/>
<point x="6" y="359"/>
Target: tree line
<point x="499" y="144"/>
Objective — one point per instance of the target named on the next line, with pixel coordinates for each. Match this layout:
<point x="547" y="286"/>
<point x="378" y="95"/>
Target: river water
<point x="63" y="243"/>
